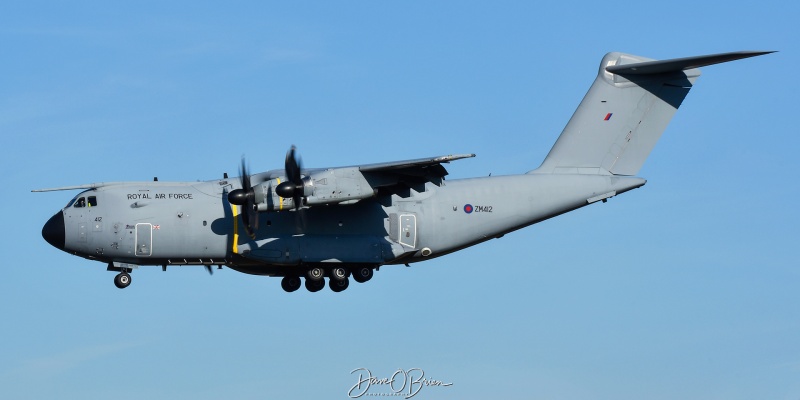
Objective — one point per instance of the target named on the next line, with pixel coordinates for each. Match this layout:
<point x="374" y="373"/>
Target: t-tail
<point x="625" y="111"/>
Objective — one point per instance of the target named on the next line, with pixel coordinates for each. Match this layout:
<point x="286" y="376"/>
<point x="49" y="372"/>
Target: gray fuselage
<point x="168" y="223"/>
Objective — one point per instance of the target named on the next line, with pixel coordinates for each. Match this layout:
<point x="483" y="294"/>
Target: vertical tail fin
<point x="624" y="113"/>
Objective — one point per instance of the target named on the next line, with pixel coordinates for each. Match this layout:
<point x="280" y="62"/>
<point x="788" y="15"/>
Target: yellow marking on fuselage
<point x="235" y="246"/>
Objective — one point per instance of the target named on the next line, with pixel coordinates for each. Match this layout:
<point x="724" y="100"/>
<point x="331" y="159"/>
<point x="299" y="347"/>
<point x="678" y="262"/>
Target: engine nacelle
<point x="331" y="186"/>
<point x="339" y="185"/>
<point x="268" y="200"/>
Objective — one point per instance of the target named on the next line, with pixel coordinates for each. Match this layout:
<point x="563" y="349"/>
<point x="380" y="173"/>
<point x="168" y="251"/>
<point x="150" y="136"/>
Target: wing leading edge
<point x="408" y="172"/>
<point x="420" y="163"/>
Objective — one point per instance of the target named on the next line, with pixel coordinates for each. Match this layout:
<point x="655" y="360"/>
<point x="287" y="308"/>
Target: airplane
<point x="305" y="225"/>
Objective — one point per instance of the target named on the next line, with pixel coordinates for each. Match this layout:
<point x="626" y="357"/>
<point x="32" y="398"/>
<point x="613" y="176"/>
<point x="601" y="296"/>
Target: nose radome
<point x="53" y="231"/>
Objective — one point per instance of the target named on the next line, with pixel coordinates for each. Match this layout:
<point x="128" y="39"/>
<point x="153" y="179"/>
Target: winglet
<point x="680" y="64"/>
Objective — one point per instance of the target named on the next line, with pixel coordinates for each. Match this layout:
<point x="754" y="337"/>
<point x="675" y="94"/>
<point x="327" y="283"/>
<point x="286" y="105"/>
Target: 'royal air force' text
<point x="165" y="196"/>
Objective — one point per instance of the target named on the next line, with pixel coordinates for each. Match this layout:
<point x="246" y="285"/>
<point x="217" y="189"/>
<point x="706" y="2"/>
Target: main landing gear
<point x="338" y="278"/>
<point x="362" y="274"/>
<point x="315" y="286"/>
<point x="290" y="283"/>
<point x="122" y="280"/>
<point x="337" y="285"/>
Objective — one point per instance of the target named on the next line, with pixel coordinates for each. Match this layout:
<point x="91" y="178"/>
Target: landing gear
<point x="339" y="279"/>
<point x="315" y="285"/>
<point x="339" y="273"/>
<point x="122" y="280"/>
<point x="290" y="283"/>
<point x="316" y="274"/>
<point x="337" y="285"/>
<point x="362" y="274"/>
<point x="338" y="276"/>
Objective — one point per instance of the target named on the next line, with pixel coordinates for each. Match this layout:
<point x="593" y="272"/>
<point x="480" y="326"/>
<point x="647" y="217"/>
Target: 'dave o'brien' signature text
<point x="400" y="383"/>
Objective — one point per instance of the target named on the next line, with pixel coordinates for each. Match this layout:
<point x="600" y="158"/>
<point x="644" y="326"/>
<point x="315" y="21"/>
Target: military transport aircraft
<point x="308" y="224"/>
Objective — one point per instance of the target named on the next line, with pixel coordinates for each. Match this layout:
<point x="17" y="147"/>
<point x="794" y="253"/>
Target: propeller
<point x="293" y="187"/>
<point x="245" y="197"/>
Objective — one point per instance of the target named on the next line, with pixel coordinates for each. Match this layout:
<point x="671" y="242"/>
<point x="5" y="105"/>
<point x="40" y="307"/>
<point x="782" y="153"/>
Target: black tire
<point x="362" y="274"/>
<point x="290" y="283"/>
<point x="314" y="286"/>
<point x="339" y="273"/>
<point x="316" y="274"/>
<point x="122" y="280"/>
<point x="337" y="285"/>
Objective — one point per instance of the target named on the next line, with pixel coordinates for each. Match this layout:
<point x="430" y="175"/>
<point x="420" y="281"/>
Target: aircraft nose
<point x="53" y="231"/>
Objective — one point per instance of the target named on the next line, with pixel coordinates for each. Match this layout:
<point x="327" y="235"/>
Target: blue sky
<point x="686" y="288"/>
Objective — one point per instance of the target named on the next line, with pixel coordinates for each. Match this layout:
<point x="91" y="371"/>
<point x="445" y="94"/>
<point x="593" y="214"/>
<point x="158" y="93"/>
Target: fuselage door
<point x="144" y="240"/>
<point x="408" y="230"/>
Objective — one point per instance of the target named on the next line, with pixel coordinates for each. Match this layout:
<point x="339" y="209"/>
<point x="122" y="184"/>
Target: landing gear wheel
<point x="290" y="283"/>
<point x="315" y="286"/>
<point x="362" y="274"/>
<point x="122" y="280"/>
<point x="339" y="273"/>
<point x="337" y="285"/>
<point x="316" y="274"/>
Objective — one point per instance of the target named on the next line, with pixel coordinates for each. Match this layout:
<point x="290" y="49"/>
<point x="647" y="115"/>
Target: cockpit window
<point x="82" y="200"/>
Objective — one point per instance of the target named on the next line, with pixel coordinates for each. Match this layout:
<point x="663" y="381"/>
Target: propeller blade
<point x="209" y="269"/>
<point x="244" y="176"/>
<point x="245" y="197"/>
<point x="293" y="167"/>
<point x="297" y="199"/>
<point x="294" y="185"/>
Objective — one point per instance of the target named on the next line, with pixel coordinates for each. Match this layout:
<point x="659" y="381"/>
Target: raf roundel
<point x="468" y="208"/>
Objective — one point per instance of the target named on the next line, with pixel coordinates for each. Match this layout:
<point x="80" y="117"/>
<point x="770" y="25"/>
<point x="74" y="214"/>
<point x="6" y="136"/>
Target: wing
<point x="408" y="172"/>
<point x="350" y="184"/>
<point x="420" y="163"/>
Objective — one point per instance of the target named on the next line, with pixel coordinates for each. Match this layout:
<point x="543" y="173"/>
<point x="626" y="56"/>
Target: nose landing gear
<point x="122" y="280"/>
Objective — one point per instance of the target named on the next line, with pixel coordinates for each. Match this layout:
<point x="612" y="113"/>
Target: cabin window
<point x="92" y="201"/>
<point x="81" y="202"/>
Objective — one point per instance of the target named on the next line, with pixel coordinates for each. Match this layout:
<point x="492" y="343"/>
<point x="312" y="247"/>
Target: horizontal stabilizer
<point x="680" y="64"/>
